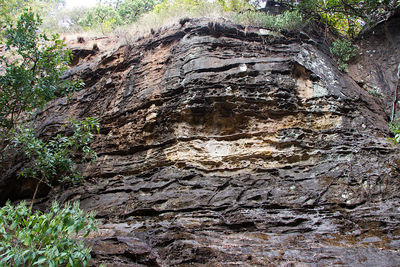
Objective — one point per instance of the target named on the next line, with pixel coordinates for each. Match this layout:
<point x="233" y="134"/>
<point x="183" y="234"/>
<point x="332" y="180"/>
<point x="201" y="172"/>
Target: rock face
<point x="375" y="68"/>
<point x="230" y="146"/>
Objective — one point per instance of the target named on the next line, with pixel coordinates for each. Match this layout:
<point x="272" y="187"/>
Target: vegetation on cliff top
<point x="346" y="16"/>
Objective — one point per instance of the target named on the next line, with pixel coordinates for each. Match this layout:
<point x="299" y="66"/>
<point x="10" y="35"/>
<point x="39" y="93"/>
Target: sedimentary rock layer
<point x="229" y="146"/>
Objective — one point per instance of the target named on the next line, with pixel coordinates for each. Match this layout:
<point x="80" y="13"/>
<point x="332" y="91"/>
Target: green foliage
<point x="348" y="16"/>
<point x="32" y="67"/>
<point x="11" y="10"/>
<point x="130" y="10"/>
<point x="394" y="127"/>
<point x="104" y="17"/>
<point x="236" y="5"/>
<point x="57" y="157"/>
<point x="289" y="20"/>
<point x="344" y="51"/>
<point x="195" y="6"/>
<point x="107" y="17"/>
<point x="182" y="5"/>
<point x="44" y="239"/>
<point x="63" y="20"/>
<point x="169" y="12"/>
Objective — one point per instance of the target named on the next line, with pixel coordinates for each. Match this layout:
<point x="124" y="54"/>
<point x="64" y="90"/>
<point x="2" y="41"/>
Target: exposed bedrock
<point x="226" y="146"/>
<point x="378" y="59"/>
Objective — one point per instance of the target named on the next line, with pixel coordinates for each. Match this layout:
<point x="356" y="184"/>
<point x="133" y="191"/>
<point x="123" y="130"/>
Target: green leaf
<point x="49" y="234"/>
<point x="41" y="260"/>
<point x="6" y="259"/>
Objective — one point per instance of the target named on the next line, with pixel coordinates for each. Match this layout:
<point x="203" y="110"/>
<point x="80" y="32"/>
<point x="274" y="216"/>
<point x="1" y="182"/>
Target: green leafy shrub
<point x="44" y="239"/>
<point x="344" y="52"/>
<point x="57" y="157"/>
<point x="289" y="20"/>
<point x="394" y="127"/>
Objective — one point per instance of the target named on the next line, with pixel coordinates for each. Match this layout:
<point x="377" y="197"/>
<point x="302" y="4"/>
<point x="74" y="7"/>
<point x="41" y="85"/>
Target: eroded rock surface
<point x="378" y="58"/>
<point x="226" y="146"/>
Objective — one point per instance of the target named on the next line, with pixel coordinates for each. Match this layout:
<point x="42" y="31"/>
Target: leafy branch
<point x="44" y="239"/>
<point x="57" y="157"/>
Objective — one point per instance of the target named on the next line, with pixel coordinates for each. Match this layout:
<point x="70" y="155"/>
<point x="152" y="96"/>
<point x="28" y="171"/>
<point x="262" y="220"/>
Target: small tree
<point x="130" y="10"/>
<point x="55" y="159"/>
<point x="30" y="71"/>
<point x="104" y="17"/>
<point x="32" y="67"/>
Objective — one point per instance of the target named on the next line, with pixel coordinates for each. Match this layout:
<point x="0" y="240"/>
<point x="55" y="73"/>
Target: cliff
<point x="229" y="146"/>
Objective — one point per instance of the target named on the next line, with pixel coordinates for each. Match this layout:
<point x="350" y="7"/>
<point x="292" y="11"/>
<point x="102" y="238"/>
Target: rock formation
<point x="376" y="65"/>
<point x="229" y="146"/>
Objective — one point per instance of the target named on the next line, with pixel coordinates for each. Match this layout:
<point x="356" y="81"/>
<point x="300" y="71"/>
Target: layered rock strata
<point x="229" y="146"/>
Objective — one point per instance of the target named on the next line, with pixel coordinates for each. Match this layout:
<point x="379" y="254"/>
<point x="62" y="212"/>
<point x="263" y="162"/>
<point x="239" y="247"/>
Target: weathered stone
<point x="378" y="57"/>
<point x="221" y="146"/>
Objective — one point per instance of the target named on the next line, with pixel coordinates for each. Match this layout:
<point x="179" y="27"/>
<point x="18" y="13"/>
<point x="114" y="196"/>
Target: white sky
<point x="78" y="3"/>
